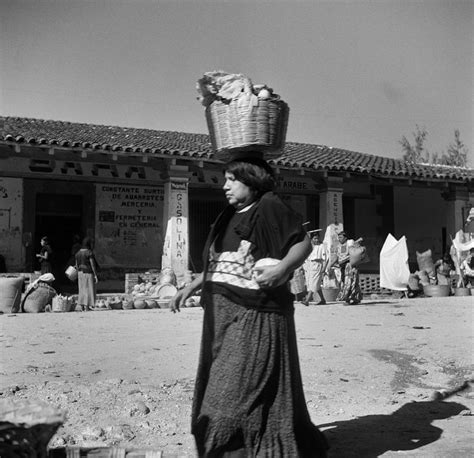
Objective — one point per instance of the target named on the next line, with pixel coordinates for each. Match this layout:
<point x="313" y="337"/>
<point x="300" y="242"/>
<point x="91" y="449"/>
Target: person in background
<point x="45" y="255"/>
<point x="86" y="275"/>
<point x="342" y="258"/>
<point x="467" y="268"/>
<point x="351" y="292"/>
<point x="248" y="398"/>
<point x="314" y="268"/>
<point x="444" y="267"/>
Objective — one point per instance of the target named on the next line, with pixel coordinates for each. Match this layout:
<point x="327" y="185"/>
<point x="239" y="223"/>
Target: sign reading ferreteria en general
<point x="129" y="230"/>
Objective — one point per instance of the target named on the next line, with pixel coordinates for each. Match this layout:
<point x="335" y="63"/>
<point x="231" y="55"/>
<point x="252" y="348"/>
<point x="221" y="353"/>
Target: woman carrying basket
<point x="248" y="398"/>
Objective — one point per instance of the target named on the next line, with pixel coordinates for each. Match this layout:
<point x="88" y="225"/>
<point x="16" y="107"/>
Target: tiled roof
<point x="123" y="140"/>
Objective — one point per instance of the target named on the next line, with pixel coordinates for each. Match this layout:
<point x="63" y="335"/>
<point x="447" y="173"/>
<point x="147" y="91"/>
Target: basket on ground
<point x="330" y="294"/>
<point x="249" y="123"/>
<point x="61" y="304"/>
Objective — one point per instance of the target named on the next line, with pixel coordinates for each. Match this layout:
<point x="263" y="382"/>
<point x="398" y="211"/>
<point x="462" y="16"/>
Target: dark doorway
<point x="202" y="214"/>
<point x="58" y="216"/>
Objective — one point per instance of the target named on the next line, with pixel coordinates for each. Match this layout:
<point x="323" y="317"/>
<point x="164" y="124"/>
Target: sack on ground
<point x="10" y="293"/>
<point x="425" y="262"/>
<point x="37" y="298"/>
<point x="414" y="282"/>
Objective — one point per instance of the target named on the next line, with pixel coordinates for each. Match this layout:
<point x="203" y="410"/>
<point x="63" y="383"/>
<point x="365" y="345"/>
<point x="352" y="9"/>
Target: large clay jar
<point x="139" y="304"/>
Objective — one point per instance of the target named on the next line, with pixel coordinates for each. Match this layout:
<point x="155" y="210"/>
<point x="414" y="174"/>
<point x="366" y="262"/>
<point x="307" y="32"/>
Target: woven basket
<point x="61" y="304"/>
<point x="247" y="124"/>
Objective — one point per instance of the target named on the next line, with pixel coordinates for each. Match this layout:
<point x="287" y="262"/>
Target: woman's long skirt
<point x="248" y="393"/>
<point x="87" y="289"/>
<point x="351" y="292"/>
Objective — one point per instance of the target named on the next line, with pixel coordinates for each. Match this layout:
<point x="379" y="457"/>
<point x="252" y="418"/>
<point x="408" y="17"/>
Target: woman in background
<point x="86" y="275"/>
<point x="351" y="292"/>
<point x="45" y="256"/>
<point x="314" y="268"/>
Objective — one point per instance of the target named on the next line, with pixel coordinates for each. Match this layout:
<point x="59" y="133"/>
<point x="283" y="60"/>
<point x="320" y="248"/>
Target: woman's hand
<point x="180" y="297"/>
<point x="269" y="276"/>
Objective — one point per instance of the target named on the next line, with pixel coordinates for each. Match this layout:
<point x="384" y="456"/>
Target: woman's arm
<point x="94" y="269"/>
<point x="272" y="276"/>
<point x="180" y="297"/>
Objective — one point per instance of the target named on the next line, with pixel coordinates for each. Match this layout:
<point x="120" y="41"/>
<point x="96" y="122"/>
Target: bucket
<point x="462" y="291"/>
<point x="436" y="290"/>
<point x="71" y="273"/>
<point x="330" y="294"/>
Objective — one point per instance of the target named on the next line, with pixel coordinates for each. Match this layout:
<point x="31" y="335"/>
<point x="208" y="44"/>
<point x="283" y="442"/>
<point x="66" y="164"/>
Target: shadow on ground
<point x="408" y="428"/>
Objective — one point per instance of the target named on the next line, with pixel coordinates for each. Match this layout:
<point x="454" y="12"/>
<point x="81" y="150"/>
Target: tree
<point x="456" y="154"/>
<point x="417" y="152"/>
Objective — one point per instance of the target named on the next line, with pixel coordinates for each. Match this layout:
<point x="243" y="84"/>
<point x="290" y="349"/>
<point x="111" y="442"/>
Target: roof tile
<point x="147" y="141"/>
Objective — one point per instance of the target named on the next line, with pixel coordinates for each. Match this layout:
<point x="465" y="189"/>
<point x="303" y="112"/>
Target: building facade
<point x="147" y="197"/>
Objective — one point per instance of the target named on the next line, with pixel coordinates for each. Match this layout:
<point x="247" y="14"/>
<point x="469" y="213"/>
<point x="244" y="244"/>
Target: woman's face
<point x="237" y="193"/>
<point x="342" y="238"/>
<point x="315" y="239"/>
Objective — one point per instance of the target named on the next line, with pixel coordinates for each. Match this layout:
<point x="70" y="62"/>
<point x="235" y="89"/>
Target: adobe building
<point x="147" y="197"/>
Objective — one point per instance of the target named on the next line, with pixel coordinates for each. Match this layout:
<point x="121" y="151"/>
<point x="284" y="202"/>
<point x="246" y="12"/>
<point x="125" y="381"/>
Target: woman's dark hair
<point x="87" y="243"/>
<point x="254" y="172"/>
<point x="45" y="239"/>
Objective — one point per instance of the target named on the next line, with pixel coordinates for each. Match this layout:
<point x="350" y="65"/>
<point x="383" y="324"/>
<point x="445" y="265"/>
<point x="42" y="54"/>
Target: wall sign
<point x="129" y="227"/>
<point x="176" y="216"/>
<point x="11" y="223"/>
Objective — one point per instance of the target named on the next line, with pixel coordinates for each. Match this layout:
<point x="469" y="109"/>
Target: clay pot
<point x="151" y="303"/>
<point x="436" y="290"/>
<point x="116" y="305"/>
<point x="128" y="304"/>
<point x="462" y="291"/>
<point x="139" y="304"/>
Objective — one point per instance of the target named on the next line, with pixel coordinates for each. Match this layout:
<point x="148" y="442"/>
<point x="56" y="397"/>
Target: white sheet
<point x="394" y="270"/>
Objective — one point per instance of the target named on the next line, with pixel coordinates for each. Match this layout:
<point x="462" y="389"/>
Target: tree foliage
<point x="455" y="155"/>
<point x="416" y="152"/>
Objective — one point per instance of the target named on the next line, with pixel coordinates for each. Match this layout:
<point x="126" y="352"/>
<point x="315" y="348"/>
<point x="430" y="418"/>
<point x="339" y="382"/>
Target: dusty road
<point x="125" y="378"/>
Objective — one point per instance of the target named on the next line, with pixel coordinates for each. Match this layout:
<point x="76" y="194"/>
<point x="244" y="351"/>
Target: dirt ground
<point x="125" y="377"/>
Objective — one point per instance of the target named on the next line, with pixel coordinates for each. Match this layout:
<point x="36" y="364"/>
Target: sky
<point x="357" y="74"/>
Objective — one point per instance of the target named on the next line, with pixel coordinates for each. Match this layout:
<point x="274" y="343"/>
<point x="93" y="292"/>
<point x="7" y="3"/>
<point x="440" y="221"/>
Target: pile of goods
<point x="157" y="292"/>
<point x="242" y="116"/>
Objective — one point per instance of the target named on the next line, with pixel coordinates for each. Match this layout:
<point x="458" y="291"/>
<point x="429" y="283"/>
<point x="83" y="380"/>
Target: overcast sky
<point x="356" y="74"/>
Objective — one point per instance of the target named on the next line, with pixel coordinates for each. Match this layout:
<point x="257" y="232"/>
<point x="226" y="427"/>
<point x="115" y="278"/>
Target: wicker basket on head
<point x="248" y="123"/>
